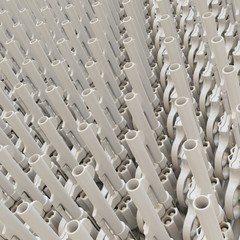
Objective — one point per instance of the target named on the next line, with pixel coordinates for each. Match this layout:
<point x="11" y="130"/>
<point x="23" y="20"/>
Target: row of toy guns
<point x="203" y="88"/>
<point x="119" y="119"/>
<point x="64" y="157"/>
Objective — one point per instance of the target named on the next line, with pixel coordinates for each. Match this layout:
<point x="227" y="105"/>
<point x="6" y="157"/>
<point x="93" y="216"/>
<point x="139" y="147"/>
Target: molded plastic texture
<point x="119" y="119"/>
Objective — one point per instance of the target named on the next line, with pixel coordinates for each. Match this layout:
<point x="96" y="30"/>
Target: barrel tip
<point x="94" y="20"/>
<point x="8" y="114"/>
<point x="169" y="39"/>
<point x="229" y="69"/>
<point x="201" y="202"/>
<point x="56" y="62"/>
<point x="72" y="227"/>
<point x="50" y="88"/>
<point x="164" y="17"/>
<point x="61" y="40"/>
<point x="217" y="39"/>
<point x="42" y="120"/>
<point x="127" y="40"/>
<point x="131" y="135"/>
<point x="18" y="85"/>
<point x="133" y="184"/>
<point x="26" y="61"/>
<point x="92" y="40"/>
<point x="22" y="208"/>
<point x="129" y="96"/>
<point x="174" y="67"/>
<point x="128" y="65"/>
<point x="207" y="15"/>
<point x="87" y="92"/>
<point x="34" y="158"/>
<point x="83" y="126"/>
<point x="33" y="41"/>
<point x="78" y="170"/>
<point x="89" y="64"/>
<point x="181" y="101"/>
<point x="189" y="145"/>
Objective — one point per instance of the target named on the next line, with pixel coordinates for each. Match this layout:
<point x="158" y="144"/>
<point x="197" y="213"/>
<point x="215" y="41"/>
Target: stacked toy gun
<point x="119" y="119"/>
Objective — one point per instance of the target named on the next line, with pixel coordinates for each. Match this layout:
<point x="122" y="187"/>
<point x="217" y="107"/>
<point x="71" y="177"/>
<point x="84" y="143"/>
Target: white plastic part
<point x="11" y="7"/>
<point x="109" y="26"/>
<point x="134" y="104"/>
<point x="134" y="55"/>
<point x="188" y="117"/>
<point x="111" y="53"/>
<point x="220" y="57"/>
<point x="204" y="209"/>
<point x="15" y="120"/>
<point x="154" y="228"/>
<point x="29" y="68"/>
<point x="105" y="68"/>
<point x="56" y="9"/>
<point x="23" y="93"/>
<point x="148" y="97"/>
<point x="84" y="6"/>
<point x="66" y="83"/>
<point x="23" y="181"/>
<point x="236" y="9"/>
<point x="129" y="7"/>
<point x="25" y="16"/>
<point x="76" y="230"/>
<point x="201" y="6"/>
<point x="107" y="99"/>
<point x="6" y="69"/>
<point x="129" y="24"/>
<point x="73" y="17"/>
<point x="13" y="226"/>
<point x="105" y="170"/>
<point x="29" y="214"/>
<point x="99" y="115"/>
<point x="4" y="141"/>
<point x="14" y="51"/>
<point x="6" y="186"/>
<point x="238" y="113"/>
<point x="36" y="51"/>
<point x="180" y="80"/>
<point x="231" y="82"/>
<point x="164" y="7"/>
<point x="82" y="52"/>
<point x="42" y="28"/>
<point x="174" y="51"/>
<point x="6" y="18"/>
<point x="139" y="85"/>
<point x="113" y="9"/>
<point x="139" y="10"/>
<point x="3" y="37"/>
<point x="168" y="25"/>
<point x="34" y="8"/>
<point x="209" y="25"/>
<point x="135" y="141"/>
<point x="197" y="159"/>
<point x="101" y="51"/>
<point x="21" y="35"/>
<point x="59" y="194"/>
<point x="84" y="177"/>
<point x="52" y="24"/>
<point x="6" y="102"/>
<point x="84" y="26"/>
<point x="77" y="71"/>
<point x="65" y="156"/>
<point x="56" y="100"/>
